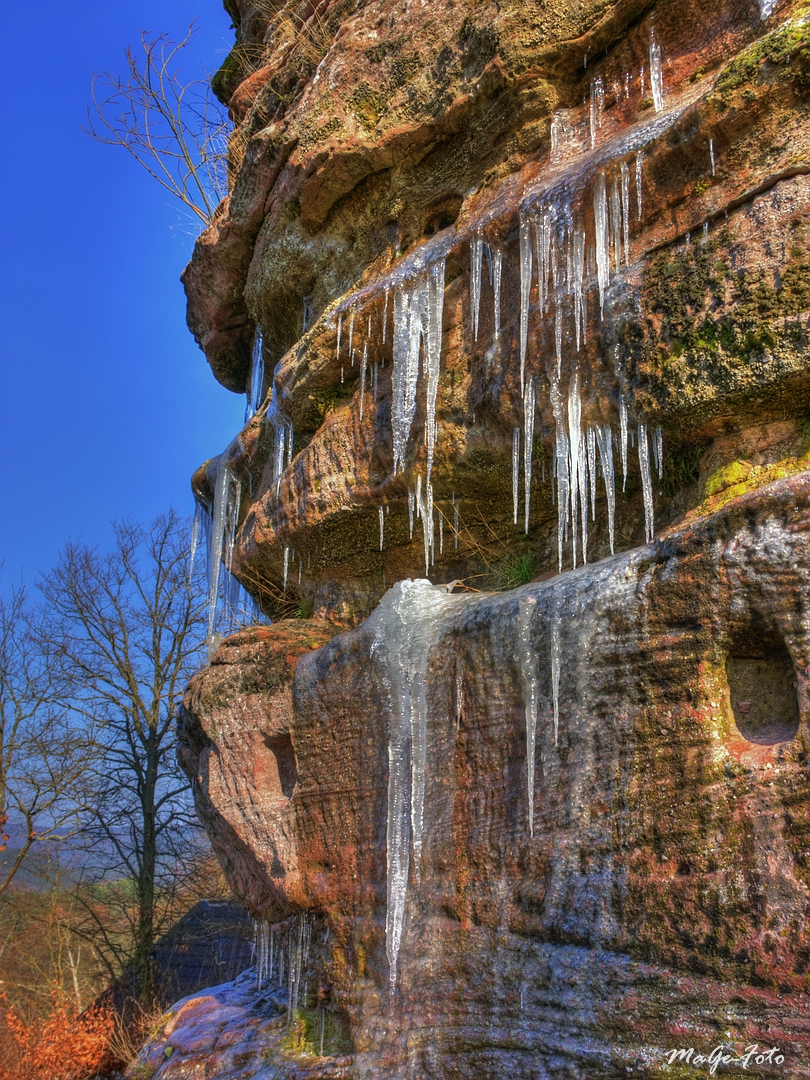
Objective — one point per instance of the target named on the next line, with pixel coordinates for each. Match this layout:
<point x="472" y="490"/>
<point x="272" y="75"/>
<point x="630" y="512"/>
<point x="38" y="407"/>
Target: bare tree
<point x="128" y="628"/>
<point x="43" y="756"/>
<point x="174" y="129"/>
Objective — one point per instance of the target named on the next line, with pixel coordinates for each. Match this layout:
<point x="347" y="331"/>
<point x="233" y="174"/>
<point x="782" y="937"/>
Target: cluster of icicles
<point x="286" y="960"/>
<point x="554" y="260"/>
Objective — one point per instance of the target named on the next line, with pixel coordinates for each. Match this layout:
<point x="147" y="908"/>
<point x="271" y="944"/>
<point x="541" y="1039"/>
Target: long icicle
<point x="476" y="255"/>
<point x="646" y="481"/>
<point x="529" y="402"/>
<point x="525" y="290"/>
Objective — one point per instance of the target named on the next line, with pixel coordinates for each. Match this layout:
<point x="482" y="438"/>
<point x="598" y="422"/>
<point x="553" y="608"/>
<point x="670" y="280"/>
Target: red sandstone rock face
<point x="661" y="899"/>
<point x="664" y="894"/>
<point x="379" y="139"/>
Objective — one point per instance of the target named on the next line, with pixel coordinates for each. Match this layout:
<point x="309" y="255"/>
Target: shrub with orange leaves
<point x="65" y="1046"/>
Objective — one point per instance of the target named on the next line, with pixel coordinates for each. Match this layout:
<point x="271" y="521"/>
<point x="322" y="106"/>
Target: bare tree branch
<point x="177" y="131"/>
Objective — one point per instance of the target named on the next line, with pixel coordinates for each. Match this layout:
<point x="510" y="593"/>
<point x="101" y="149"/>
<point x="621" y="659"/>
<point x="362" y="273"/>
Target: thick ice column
<point x="405" y="625"/>
<point x="639" y="164"/>
<point x="600" y="213"/>
<point x="525" y="290"/>
<point x="221" y="492"/>
<point x="433" y="350"/>
<point x="527" y="658"/>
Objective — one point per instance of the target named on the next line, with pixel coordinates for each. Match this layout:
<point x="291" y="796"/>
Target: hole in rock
<point x="762" y="686"/>
<point x="282" y="749"/>
<point x="442" y="215"/>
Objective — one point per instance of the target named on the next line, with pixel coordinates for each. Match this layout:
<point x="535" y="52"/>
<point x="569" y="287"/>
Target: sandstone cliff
<point x="530" y="286"/>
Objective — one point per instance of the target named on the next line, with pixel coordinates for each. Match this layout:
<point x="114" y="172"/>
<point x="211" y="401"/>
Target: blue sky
<point x="106" y="404"/>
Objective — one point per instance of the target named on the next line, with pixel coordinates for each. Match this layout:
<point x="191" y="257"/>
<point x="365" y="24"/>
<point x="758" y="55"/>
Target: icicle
<point x="528" y="667"/>
<point x="558" y="327"/>
<point x="289" y="442"/>
<point x="515" y="472"/>
<point x="411" y="503"/>
<point x="578" y="265"/>
<point x="433" y="349"/>
<point x="623" y="439"/>
<point x="382" y="525"/>
<point x="561" y="463"/>
<point x="626" y="211"/>
<point x="592" y="469"/>
<point x="767" y="8"/>
<point x="385" y="313"/>
<point x="363" y="379"/>
<point x="711" y="156"/>
<point x="574" y="414"/>
<point x="195" y="537"/>
<point x="556" y="657"/>
<point x="604" y="439"/>
<point x="419" y="495"/>
<point x="339" y="331"/>
<point x="441" y="531"/>
<point x="221" y="492"/>
<point x="639" y="161"/>
<point x="583" y="494"/>
<point x="406" y="622"/>
<point x="476" y="252"/>
<point x="646" y="480"/>
<point x="656" y="73"/>
<point x="286" y="566"/>
<point x="300" y="569"/>
<point x="600" y="212"/>
<point x="616" y="223"/>
<point x="254" y="398"/>
<point x="525" y="289"/>
<point x="351" y="332"/>
<point x="409" y="305"/>
<point x="528" y="448"/>
<point x="641" y="80"/>
<point x="658" y="442"/>
<point x="596" y="107"/>
<point x="341" y="374"/>
<point x="497" y="272"/>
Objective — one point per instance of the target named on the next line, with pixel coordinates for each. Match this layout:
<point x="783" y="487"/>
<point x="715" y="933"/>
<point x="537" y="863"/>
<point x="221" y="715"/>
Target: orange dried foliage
<point x="65" y="1046"/>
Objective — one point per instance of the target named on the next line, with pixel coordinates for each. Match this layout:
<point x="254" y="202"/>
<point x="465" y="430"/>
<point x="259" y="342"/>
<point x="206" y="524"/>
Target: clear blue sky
<point x="106" y="404"/>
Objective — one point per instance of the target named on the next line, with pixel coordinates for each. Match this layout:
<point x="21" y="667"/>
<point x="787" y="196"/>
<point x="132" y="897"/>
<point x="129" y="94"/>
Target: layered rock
<point x="377" y="143"/>
<point x="520" y="275"/>
<point x="660" y="898"/>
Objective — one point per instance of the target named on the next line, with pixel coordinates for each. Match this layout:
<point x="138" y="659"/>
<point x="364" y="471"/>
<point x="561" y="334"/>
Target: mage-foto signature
<point x="725" y="1055"/>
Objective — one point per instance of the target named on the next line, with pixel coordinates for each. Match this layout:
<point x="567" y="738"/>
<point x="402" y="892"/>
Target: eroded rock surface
<point x="517" y="273"/>
<point x="664" y="894"/>
<point x="375" y="141"/>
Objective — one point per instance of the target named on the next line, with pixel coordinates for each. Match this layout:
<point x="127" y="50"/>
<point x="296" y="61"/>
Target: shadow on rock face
<point x="762" y="684"/>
